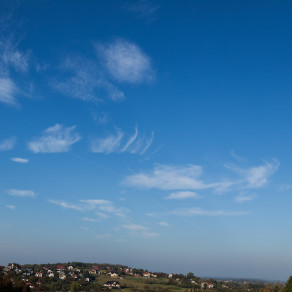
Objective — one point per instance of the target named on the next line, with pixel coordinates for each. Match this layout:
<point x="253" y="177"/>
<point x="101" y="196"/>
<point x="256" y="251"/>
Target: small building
<point x="112" y="284"/>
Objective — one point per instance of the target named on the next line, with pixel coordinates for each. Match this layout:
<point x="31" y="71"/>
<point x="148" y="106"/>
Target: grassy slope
<point x="138" y="283"/>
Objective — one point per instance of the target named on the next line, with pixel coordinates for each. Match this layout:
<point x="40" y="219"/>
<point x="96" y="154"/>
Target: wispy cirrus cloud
<point x="66" y="205"/>
<point x="189" y="178"/>
<point x="166" y="177"/>
<point x="256" y="176"/>
<point x="104" y="207"/>
<point x="135" y="227"/>
<point x="241" y="198"/>
<point x="108" y="144"/>
<point x="19" y="160"/>
<point x="11" y="57"/>
<point x="11" y="207"/>
<point x="86" y="219"/>
<point x="85" y="81"/>
<point x="188" y="212"/>
<point x="164" y="224"/>
<point x="142" y="8"/>
<point x="140" y="230"/>
<point x="7" y="144"/>
<point x="102" y="236"/>
<point x="55" y="139"/>
<point x="113" y="143"/>
<point x="8" y="90"/>
<point x="126" y="62"/>
<point x="21" y="193"/>
<point x="182" y="195"/>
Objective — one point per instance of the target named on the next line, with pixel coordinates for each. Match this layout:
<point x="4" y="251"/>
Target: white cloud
<point x="126" y="62"/>
<point x="20" y="160"/>
<point x="284" y="187"/>
<point x="93" y="204"/>
<point x="113" y="143"/>
<point x="11" y="57"/>
<point x="201" y="212"/>
<point x="140" y="230"/>
<point x="104" y="206"/>
<point x="11" y="207"/>
<point x="108" y="144"/>
<point x="142" y="8"/>
<point x="86" y="81"/>
<point x="237" y="157"/>
<point x="66" y="205"/>
<point x="257" y="176"/>
<point x="101" y="215"/>
<point x="167" y="177"/>
<point x="131" y="140"/>
<point x="120" y="212"/>
<point x="8" y="91"/>
<point x="245" y="198"/>
<point x="165" y="224"/>
<point x="86" y="219"/>
<point x="7" y="144"/>
<point x="55" y="139"/>
<point x="182" y="195"/>
<point x="148" y="144"/>
<point x="21" y="193"/>
<point x="135" y="227"/>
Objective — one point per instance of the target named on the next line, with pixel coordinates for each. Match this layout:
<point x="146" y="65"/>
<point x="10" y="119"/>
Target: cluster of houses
<point x="32" y="275"/>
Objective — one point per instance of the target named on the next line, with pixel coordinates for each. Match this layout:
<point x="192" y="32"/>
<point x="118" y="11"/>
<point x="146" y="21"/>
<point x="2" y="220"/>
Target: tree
<point x="74" y="287"/>
<point x="288" y="286"/>
<point x="5" y="284"/>
<point x="190" y="275"/>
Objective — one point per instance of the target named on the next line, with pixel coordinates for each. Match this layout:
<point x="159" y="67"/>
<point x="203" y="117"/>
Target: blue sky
<point x="155" y="134"/>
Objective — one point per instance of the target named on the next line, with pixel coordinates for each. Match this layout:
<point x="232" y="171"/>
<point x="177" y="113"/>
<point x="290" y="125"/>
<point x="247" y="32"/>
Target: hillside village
<point x="77" y="276"/>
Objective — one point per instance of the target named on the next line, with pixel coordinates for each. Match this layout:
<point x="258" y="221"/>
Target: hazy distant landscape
<point x="105" y="277"/>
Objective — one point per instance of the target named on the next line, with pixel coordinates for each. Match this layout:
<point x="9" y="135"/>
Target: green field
<point x="139" y="284"/>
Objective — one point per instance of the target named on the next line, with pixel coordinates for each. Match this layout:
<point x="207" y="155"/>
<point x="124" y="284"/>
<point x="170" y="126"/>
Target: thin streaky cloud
<point x="134" y="227"/>
<point x="86" y="81"/>
<point x="92" y="204"/>
<point x="188" y="212"/>
<point x="182" y="195"/>
<point x="19" y="160"/>
<point x="21" y="193"/>
<point x="284" y="187"/>
<point x="237" y="157"/>
<point x="165" y="224"/>
<point x="142" y="8"/>
<point x="11" y="207"/>
<point x="188" y="178"/>
<point x="86" y="219"/>
<point x="148" y="144"/>
<point x="167" y="177"/>
<point x="7" y="144"/>
<point x="131" y="140"/>
<point x="11" y="57"/>
<point x="108" y="144"/>
<point x="257" y="176"/>
<point x="66" y="205"/>
<point x="57" y="138"/>
<point x="113" y="143"/>
<point x="8" y="90"/>
<point x="101" y="215"/>
<point x="245" y="198"/>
